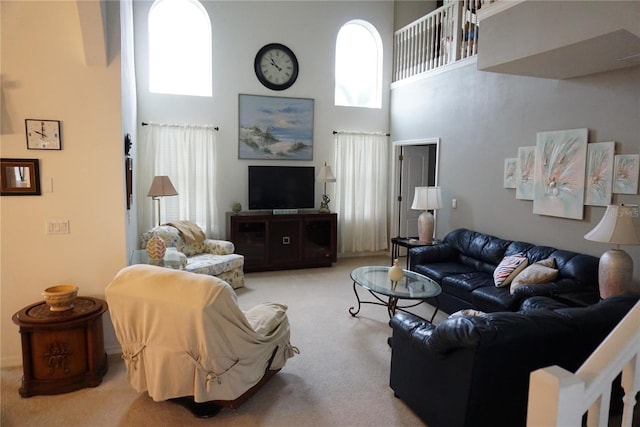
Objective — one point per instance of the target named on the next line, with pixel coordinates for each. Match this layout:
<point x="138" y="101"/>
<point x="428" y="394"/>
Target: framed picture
<point x="625" y="173"/>
<point x="509" y="180"/>
<point x="19" y="177"/>
<point x="275" y="128"/>
<point x="558" y="182"/>
<point x="599" y="173"/>
<point x="524" y="172"/>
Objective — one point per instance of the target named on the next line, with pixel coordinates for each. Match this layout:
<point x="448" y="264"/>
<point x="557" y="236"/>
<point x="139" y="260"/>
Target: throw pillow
<point x="508" y="269"/>
<point x="466" y="312"/>
<point x="540" y="272"/>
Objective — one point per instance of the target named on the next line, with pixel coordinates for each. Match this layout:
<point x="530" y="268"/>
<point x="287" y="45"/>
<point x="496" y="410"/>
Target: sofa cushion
<point x="439" y="270"/>
<point x="480" y="251"/>
<point x="491" y="298"/>
<point x="540" y="272"/>
<point x="461" y="285"/>
<point x="214" y="265"/>
<point x="508" y="269"/>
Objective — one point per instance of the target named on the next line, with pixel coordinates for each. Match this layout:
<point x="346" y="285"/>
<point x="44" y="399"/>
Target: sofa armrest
<point x="266" y="317"/>
<point x="218" y="247"/>
<point x="412" y="328"/>
<point x="427" y="254"/>
<point x="451" y="334"/>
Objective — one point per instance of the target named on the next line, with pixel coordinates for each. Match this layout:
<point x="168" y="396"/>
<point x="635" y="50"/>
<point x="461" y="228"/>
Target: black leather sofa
<point x="474" y="370"/>
<point x="464" y="262"/>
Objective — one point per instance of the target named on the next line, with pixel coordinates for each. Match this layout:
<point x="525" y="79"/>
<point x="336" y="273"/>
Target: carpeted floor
<point x="340" y="377"/>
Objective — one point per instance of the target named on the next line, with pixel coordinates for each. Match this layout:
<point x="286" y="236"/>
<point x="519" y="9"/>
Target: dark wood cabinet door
<point x="285" y="241"/>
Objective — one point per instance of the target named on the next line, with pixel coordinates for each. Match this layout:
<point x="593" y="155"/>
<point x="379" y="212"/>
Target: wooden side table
<point x="408" y="243"/>
<point x="62" y="351"/>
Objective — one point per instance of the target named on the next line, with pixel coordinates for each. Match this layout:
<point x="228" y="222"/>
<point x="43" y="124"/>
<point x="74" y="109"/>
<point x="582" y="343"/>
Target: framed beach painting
<point x="510" y="165"/>
<point x="275" y="128"/>
<point x="558" y="188"/>
<point x="524" y="172"/>
<point x="599" y="173"/>
<point x="625" y="173"/>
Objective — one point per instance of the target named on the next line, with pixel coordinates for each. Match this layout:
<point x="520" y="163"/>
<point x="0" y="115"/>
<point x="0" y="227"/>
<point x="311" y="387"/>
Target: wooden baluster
<point x="598" y="412"/>
<point x="413" y="50"/>
<point x="422" y="43"/>
<point x="631" y="386"/>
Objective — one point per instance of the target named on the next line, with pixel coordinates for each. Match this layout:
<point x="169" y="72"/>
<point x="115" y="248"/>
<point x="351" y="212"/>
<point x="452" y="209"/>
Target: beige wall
<point x="44" y="76"/>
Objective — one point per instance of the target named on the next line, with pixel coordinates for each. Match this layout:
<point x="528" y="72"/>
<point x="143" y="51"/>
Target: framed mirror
<point x="19" y="177"/>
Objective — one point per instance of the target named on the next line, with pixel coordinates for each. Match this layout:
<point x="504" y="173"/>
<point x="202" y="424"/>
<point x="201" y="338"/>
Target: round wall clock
<point x="276" y="66"/>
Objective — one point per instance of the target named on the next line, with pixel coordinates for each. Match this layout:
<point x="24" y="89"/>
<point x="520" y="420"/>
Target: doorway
<point x="416" y="166"/>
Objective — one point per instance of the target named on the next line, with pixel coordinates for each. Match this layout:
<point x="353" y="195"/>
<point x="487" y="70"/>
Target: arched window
<point x="179" y="48"/>
<point x="358" y="66"/>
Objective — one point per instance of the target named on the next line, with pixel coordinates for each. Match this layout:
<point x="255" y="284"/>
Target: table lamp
<point x="325" y="175"/>
<point x="161" y="187"/>
<point x="426" y="198"/>
<point x="615" y="270"/>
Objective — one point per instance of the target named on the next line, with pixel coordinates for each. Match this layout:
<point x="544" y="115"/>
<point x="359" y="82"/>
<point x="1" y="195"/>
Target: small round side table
<point x="62" y="351"/>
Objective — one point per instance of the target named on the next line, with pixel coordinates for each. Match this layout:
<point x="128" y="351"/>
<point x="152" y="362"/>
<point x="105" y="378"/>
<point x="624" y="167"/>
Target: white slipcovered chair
<point x="184" y="337"/>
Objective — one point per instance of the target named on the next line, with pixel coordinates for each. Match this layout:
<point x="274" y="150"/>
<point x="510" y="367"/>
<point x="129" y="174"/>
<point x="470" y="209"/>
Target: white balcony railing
<point x="559" y="398"/>
<point x="444" y="36"/>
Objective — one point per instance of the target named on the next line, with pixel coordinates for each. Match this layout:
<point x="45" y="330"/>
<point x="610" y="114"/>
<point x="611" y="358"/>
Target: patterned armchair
<point x="212" y="257"/>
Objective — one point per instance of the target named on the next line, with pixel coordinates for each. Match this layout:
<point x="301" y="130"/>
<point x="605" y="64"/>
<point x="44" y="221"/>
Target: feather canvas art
<point x="524" y="172"/>
<point x="625" y="177"/>
<point x="599" y="173"/>
<point x="560" y="173"/>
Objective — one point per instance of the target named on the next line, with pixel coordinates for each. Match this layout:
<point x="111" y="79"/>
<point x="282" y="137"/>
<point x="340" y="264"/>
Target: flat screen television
<point x="281" y="187"/>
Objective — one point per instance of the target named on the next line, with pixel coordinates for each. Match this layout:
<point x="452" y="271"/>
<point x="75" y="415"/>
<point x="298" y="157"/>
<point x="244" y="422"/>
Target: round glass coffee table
<point x="413" y="286"/>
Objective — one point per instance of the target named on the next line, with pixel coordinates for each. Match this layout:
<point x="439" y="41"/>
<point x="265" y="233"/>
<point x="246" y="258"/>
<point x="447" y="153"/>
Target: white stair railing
<point x="427" y="43"/>
<point x="559" y="398"/>
<point x="442" y="37"/>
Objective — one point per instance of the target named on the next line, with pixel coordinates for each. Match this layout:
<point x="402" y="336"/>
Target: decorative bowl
<point x="60" y="297"/>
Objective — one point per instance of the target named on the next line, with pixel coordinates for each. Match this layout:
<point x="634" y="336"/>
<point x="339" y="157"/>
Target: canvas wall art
<point x="625" y="173"/>
<point x="558" y="188"/>
<point x="524" y="172"/>
<point x="599" y="173"/>
<point x="510" y="166"/>
<point x="273" y="128"/>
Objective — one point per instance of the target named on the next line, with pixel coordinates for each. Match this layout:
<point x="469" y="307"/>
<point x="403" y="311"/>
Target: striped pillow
<point x="508" y="269"/>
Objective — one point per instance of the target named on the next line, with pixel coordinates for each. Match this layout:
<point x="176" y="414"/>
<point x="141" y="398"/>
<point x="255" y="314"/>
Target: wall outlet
<point x="454" y="203"/>
<point x="57" y="226"/>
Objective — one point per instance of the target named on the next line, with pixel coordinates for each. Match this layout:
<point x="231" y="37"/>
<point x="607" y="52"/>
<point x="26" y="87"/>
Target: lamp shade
<point x="616" y="226"/>
<point x="427" y="198"/>
<point x="161" y="186"/>
<point x="325" y="174"/>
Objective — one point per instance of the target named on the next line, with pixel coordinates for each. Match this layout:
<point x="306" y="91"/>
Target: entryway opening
<point x="416" y="166"/>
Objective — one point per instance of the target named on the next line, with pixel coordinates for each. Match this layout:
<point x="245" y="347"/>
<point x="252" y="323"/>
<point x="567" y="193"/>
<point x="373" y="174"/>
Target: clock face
<point x="43" y="134"/>
<point x="276" y="66"/>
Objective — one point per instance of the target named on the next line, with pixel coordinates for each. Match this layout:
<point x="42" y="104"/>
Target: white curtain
<point x="362" y="180"/>
<point x="187" y="155"/>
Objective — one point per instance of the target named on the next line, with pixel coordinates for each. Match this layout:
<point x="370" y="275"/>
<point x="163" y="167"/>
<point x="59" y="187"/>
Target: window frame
<point x="376" y="90"/>
<point x="205" y="48"/>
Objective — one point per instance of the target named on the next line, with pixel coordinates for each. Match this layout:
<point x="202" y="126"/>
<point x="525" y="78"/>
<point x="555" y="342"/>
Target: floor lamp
<point x="615" y="270"/>
<point x="161" y="187"/>
<point x="426" y="199"/>
<point x="325" y="175"/>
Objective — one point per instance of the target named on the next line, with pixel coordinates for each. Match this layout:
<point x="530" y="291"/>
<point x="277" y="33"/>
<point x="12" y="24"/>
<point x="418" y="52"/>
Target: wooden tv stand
<point x="280" y="242"/>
